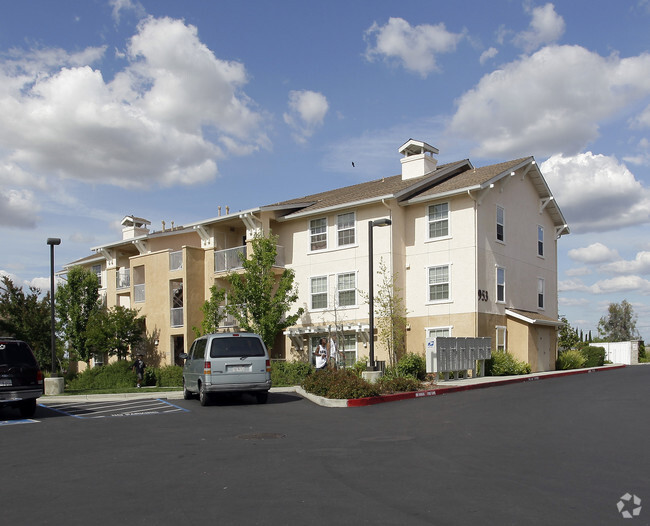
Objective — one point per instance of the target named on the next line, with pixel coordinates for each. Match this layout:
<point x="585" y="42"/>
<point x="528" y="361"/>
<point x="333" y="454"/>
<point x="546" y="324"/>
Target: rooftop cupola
<point x="418" y="159"/>
<point x="133" y="226"/>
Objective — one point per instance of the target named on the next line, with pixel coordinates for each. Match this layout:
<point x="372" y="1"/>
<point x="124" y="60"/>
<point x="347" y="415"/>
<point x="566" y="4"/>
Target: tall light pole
<point x="371" y="293"/>
<point x="52" y="241"/>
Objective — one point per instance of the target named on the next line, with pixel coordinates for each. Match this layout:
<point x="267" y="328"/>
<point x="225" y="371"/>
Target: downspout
<point x="469" y="193"/>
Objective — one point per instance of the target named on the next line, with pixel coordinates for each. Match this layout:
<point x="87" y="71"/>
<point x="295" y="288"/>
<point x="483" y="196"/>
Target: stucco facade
<point x="474" y="251"/>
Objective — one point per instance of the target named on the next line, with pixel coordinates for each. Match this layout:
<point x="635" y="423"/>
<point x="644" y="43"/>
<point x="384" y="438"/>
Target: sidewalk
<point x="442" y="387"/>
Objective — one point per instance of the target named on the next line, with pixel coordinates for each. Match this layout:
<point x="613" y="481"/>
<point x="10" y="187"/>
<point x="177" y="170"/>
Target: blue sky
<point x="167" y="110"/>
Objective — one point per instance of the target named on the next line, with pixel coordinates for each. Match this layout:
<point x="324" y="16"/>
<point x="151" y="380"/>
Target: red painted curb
<point x="372" y="400"/>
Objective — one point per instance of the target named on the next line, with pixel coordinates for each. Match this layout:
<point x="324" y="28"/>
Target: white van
<point x="227" y="362"/>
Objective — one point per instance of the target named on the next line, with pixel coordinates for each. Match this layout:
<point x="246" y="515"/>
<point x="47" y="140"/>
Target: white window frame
<point x="541" y="293"/>
<point x="430" y="332"/>
<point x="339" y="290"/>
<point x="319" y="292"/>
<point x="97" y="273"/>
<point x="314" y="237"/>
<point x="501" y="285"/>
<point x="447" y="282"/>
<point x="502" y="338"/>
<point x="433" y="221"/>
<point x="501" y="224"/>
<point x="344" y="228"/>
<point x="540" y="241"/>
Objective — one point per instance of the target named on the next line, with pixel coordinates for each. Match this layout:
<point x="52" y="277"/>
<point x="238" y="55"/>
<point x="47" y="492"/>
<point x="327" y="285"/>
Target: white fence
<point x="620" y="352"/>
<point x="457" y="355"/>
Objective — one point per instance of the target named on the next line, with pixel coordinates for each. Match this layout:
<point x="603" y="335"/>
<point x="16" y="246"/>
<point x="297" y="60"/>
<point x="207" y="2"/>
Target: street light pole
<point x="52" y="241"/>
<point x="371" y="294"/>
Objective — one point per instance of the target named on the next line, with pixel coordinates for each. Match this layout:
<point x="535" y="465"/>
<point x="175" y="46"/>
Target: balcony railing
<point x="228" y="320"/>
<point x="123" y="278"/>
<point x="177" y="317"/>
<point x="138" y="293"/>
<point x="176" y="260"/>
<point x="229" y="259"/>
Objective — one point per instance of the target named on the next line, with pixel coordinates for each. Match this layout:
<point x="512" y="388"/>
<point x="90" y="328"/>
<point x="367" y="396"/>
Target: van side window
<point x="232" y="347"/>
<point x="199" y="349"/>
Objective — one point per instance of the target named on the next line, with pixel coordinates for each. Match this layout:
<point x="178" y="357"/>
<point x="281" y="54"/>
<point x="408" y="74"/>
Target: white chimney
<point x="133" y="227"/>
<point x="418" y="159"/>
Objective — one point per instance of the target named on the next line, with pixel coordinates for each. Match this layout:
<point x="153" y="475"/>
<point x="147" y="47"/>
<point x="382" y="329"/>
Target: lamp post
<point x="371" y="298"/>
<point x="52" y="241"/>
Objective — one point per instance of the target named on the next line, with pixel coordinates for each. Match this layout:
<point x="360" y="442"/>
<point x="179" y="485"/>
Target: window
<point x="319" y="292"/>
<point x="439" y="283"/>
<point x="438" y="220"/>
<point x="500" y="224"/>
<point x="345" y="226"/>
<point x="540" y="293"/>
<point x="439" y="332"/>
<point x="318" y="234"/>
<point x="346" y="289"/>
<point x="97" y="270"/>
<point x="540" y="241"/>
<point x="501" y="338"/>
<point x="501" y="285"/>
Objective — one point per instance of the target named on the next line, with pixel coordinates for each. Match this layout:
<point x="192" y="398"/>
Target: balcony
<point x="229" y="259"/>
<point x="228" y="320"/>
<point x="138" y="293"/>
<point x="176" y="260"/>
<point x="177" y="317"/>
<point x="123" y="279"/>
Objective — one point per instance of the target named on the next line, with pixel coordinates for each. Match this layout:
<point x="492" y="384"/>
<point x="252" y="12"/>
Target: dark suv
<point x="21" y="380"/>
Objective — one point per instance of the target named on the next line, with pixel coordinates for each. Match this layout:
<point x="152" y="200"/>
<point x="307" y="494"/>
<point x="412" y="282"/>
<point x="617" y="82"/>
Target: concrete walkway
<point x="442" y="387"/>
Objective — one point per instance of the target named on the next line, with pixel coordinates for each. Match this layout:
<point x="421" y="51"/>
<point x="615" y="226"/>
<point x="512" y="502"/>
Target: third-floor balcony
<point x="231" y="258"/>
<point x="123" y="279"/>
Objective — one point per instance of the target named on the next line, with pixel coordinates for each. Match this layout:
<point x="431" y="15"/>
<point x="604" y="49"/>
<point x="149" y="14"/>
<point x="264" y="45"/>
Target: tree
<point x="213" y="312"/>
<point x="114" y="331"/>
<point x="256" y="299"/>
<point x="27" y="317"/>
<point x="568" y="337"/>
<point x="620" y="323"/>
<point x="76" y="302"/>
<point x="391" y="315"/>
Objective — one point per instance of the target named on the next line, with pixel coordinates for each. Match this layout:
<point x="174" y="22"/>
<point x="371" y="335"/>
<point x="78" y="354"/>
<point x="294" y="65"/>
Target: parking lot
<point x="559" y="451"/>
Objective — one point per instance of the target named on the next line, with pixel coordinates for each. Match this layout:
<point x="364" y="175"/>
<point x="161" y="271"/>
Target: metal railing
<point x="176" y="260"/>
<point x="138" y="293"/>
<point x="123" y="278"/>
<point x="229" y="259"/>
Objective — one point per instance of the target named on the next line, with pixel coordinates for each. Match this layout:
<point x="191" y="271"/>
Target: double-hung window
<point x="439" y="283"/>
<point x="501" y="338"/>
<point x="345" y="227"/>
<point x="318" y="234"/>
<point x="540" y="293"/>
<point x="347" y="289"/>
<point x="540" y="241"/>
<point x="97" y="270"/>
<point x="319" y="292"/>
<point x="439" y="220"/>
<point x="501" y="285"/>
<point x="501" y="224"/>
<point x="439" y="332"/>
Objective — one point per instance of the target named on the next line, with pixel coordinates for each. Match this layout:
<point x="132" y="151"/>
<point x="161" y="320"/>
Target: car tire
<point x="204" y="397"/>
<point x="27" y="408"/>
<point x="187" y="395"/>
<point x="262" y="397"/>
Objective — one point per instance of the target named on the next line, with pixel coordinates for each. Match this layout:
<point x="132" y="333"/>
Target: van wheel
<point x="204" y="398"/>
<point x="262" y="397"/>
<point x="27" y="408"/>
<point x="187" y="395"/>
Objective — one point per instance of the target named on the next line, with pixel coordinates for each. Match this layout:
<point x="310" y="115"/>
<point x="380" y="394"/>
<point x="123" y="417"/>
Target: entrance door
<point x="178" y="346"/>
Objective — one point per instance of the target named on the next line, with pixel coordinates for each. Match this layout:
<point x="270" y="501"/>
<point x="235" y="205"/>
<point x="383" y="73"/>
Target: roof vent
<point x="418" y="159"/>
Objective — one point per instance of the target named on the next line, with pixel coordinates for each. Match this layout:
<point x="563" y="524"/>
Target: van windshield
<point x="239" y="346"/>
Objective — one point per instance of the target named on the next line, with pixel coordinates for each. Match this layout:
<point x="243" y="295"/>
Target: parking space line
<point x="87" y="410"/>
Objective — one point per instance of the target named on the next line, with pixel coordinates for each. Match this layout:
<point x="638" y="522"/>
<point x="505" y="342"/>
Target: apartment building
<point x="474" y="251"/>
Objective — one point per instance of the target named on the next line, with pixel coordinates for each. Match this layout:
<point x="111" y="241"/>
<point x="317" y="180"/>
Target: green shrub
<point x="117" y="375"/>
<point x="360" y="366"/>
<point x="398" y="384"/>
<point x="642" y="354"/>
<point x="287" y="374"/>
<point x="571" y="359"/>
<point x="504" y="363"/>
<point x="168" y="376"/>
<point x="412" y="364"/>
<point x="594" y="356"/>
<point x="338" y="384"/>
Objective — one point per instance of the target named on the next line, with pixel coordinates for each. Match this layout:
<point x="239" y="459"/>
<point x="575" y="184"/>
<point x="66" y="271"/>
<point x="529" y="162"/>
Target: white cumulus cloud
<point x="413" y="47"/>
<point x="593" y="254"/>
<point x="639" y="265"/>
<point x="546" y="27"/>
<point x="307" y="110"/>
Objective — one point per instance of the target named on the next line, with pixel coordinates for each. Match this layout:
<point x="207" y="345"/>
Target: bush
<point x="504" y="363"/>
<point x="571" y="359"/>
<point x="117" y="375"/>
<point x="168" y="376"/>
<point x="413" y="365"/>
<point x="594" y="356"/>
<point x="388" y="385"/>
<point x="287" y="374"/>
<point x="338" y="384"/>
<point x="360" y="366"/>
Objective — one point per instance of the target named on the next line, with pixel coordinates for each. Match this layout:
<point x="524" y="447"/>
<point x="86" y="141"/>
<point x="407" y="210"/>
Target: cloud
<point x="18" y="208"/>
<point x="593" y="254"/>
<point x="546" y="27"/>
<point x="164" y="119"/>
<point x="640" y="265"/>
<point x="552" y="101"/>
<point x="307" y="110"/>
<point x="487" y="55"/>
<point x="582" y="271"/>
<point x="120" y="6"/>
<point x="586" y="185"/>
<point x="413" y="47"/>
<point x="608" y="286"/>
